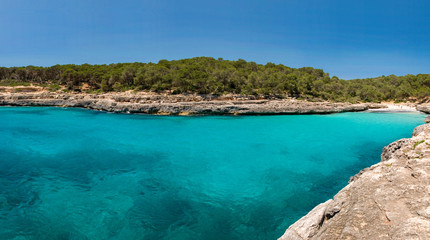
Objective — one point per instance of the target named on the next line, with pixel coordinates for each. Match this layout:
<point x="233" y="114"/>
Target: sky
<point x="348" y="39"/>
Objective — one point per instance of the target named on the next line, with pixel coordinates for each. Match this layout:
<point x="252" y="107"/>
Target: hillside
<point x="205" y="75"/>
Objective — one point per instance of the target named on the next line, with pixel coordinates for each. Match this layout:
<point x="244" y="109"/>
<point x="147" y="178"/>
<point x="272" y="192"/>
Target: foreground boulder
<point x="389" y="200"/>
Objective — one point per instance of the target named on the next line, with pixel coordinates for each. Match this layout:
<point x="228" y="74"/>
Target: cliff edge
<point x="389" y="200"/>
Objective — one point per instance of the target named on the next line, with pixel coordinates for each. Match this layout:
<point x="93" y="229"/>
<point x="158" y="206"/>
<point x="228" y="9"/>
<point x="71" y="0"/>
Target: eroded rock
<point x="425" y="107"/>
<point x="177" y="104"/>
<point x="418" y="130"/>
<point x="388" y="151"/>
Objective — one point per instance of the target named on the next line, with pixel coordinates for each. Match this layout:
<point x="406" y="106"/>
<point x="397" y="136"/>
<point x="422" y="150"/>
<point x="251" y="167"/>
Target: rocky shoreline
<point x="425" y="108"/>
<point x="178" y="104"/>
<point x="389" y="200"/>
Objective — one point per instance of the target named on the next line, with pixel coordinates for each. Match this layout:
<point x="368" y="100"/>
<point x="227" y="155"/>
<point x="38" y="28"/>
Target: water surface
<point x="81" y="174"/>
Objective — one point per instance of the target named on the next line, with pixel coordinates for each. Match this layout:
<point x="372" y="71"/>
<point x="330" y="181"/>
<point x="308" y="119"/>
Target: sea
<point x="75" y="174"/>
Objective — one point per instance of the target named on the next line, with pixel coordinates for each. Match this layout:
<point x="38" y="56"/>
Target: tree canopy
<point x="206" y="75"/>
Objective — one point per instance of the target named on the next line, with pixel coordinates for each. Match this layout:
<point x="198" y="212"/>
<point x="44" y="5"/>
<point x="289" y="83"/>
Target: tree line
<point x="206" y="75"/>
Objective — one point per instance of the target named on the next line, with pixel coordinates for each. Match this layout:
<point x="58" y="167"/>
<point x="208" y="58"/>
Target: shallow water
<point x="81" y="174"/>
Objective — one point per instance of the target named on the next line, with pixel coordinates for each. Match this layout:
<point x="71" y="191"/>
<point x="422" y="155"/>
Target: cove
<point x="82" y="174"/>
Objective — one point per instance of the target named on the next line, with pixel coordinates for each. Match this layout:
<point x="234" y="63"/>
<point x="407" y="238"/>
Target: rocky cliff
<point x="389" y="200"/>
<point x="425" y="107"/>
<point x="177" y="104"/>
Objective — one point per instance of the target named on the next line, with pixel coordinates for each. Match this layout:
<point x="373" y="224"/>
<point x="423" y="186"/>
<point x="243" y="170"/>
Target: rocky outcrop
<point x="178" y="104"/>
<point x="425" y="108"/>
<point x="389" y="200"/>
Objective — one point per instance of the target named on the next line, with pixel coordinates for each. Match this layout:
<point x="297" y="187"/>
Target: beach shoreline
<point x="395" y="107"/>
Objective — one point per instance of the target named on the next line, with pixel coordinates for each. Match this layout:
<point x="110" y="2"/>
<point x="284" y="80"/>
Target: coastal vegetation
<point x="418" y="143"/>
<point x="206" y="75"/>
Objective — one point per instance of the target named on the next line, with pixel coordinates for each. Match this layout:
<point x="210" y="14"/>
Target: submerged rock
<point x="3" y="202"/>
<point x="389" y="200"/>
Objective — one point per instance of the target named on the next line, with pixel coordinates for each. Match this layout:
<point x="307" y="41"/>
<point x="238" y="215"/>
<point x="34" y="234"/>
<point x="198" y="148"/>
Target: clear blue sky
<point x="349" y="39"/>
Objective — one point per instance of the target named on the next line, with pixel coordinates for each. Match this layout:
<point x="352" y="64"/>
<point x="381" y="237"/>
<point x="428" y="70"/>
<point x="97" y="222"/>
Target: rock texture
<point x="389" y="200"/>
<point x="177" y="104"/>
<point x="425" y="107"/>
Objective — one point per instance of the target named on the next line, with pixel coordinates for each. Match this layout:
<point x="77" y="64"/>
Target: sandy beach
<point x="396" y="107"/>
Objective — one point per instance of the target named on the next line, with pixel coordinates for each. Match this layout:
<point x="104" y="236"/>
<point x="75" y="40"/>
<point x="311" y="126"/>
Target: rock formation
<point x="389" y="200"/>
<point x="178" y="104"/>
<point x="425" y="107"/>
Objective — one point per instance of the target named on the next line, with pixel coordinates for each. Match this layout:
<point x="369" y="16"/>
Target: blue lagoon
<point x="81" y="174"/>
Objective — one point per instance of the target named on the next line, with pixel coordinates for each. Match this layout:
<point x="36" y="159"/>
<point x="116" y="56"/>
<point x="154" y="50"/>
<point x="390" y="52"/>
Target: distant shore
<point x="190" y="104"/>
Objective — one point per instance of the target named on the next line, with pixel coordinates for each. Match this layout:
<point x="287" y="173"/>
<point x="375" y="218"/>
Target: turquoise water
<point x="81" y="174"/>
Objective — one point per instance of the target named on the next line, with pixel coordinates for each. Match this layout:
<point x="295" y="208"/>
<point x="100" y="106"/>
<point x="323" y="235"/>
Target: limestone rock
<point x="177" y="104"/>
<point x="388" y="151"/>
<point x="418" y="130"/>
<point x="425" y="107"/>
<point x="308" y="225"/>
